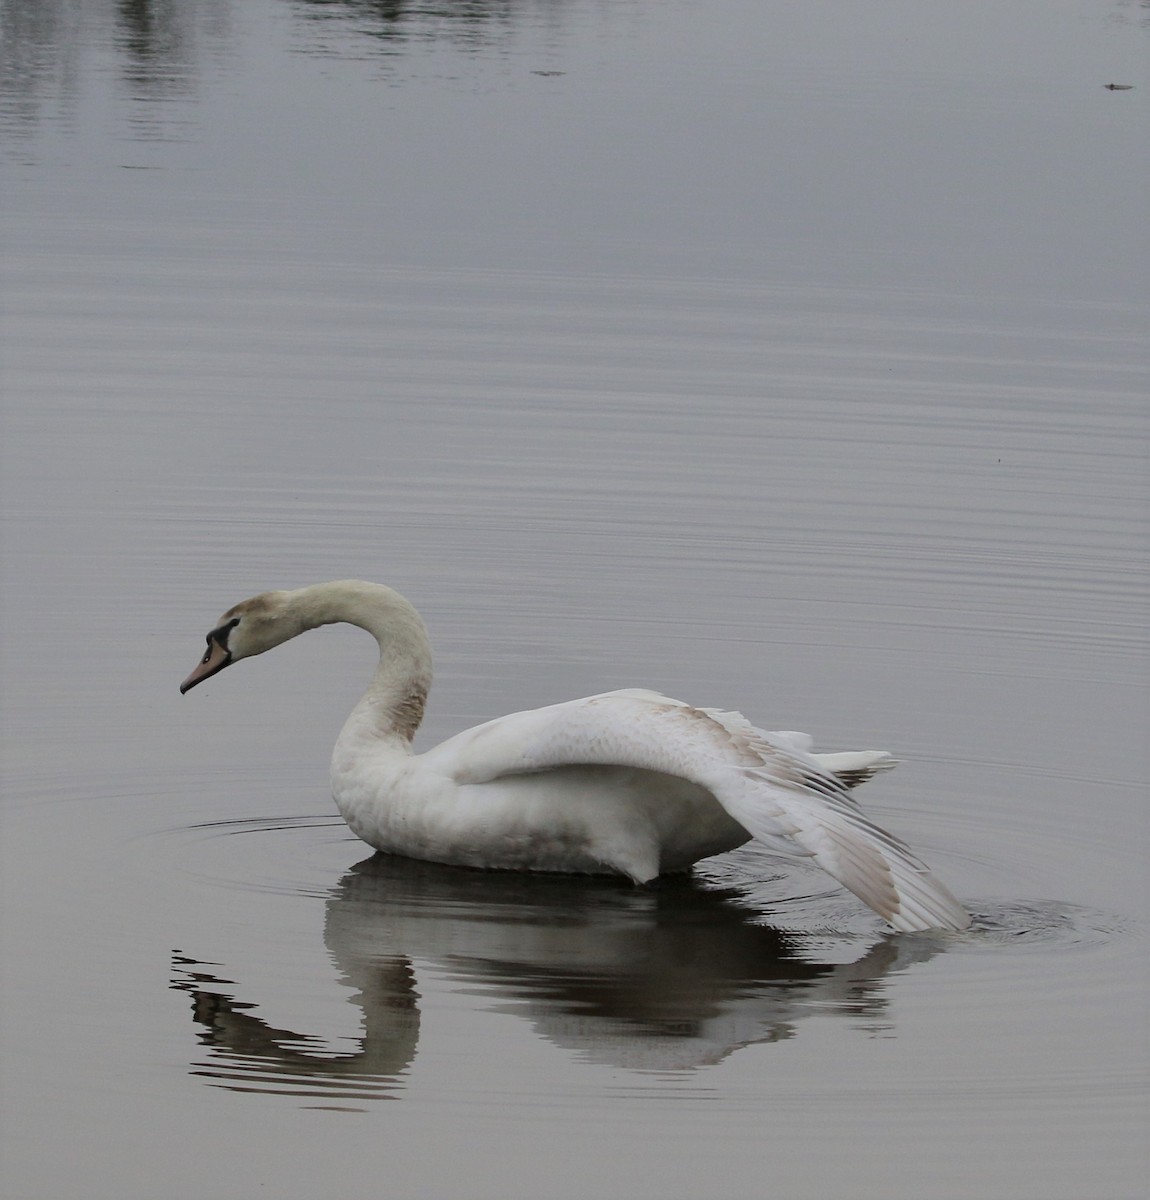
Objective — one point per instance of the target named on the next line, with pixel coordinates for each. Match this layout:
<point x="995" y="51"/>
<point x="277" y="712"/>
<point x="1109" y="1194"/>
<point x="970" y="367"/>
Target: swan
<point x="628" y="782"/>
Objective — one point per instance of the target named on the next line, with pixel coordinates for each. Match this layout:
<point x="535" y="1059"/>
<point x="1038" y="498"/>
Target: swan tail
<point x="853" y="767"/>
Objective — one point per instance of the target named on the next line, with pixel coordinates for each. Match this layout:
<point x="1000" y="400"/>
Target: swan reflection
<point x="672" y="977"/>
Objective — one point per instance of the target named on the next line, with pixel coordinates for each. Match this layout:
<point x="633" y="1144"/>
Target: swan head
<point x="247" y="628"/>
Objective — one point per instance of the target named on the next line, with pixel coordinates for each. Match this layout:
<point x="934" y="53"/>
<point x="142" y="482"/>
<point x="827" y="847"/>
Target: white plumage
<point x="629" y="782"/>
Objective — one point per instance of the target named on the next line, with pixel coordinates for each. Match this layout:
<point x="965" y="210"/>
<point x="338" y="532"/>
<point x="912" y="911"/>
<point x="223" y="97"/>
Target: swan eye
<point x="220" y="637"/>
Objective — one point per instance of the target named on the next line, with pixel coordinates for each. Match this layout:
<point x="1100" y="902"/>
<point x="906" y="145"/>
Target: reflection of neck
<point x="251" y="1047"/>
<point x="390" y="1006"/>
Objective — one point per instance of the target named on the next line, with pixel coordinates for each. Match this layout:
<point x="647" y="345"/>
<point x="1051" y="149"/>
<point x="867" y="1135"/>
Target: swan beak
<point x="216" y="657"/>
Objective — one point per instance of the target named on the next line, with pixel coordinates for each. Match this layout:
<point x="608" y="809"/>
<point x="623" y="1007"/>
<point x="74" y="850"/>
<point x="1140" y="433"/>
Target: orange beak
<point x="216" y="657"/>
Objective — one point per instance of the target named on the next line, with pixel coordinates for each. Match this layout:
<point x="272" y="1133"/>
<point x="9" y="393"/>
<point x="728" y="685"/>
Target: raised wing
<point x="770" y="783"/>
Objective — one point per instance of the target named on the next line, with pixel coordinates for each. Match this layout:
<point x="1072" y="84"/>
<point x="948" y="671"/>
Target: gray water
<point x="786" y="358"/>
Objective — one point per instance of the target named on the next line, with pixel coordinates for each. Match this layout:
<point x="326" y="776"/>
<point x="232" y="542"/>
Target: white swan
<point x="628" y="782"/>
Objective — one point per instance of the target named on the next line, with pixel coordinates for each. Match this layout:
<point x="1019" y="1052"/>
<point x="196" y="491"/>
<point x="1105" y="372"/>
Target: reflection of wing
<point x="769" y="783"/>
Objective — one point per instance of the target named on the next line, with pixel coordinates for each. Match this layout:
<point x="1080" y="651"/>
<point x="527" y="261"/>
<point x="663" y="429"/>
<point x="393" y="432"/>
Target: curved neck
<point x="392" y="706"/>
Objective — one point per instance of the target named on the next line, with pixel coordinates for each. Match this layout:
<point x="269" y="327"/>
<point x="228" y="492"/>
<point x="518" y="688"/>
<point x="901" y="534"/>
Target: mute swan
<point x="628" y="782"/>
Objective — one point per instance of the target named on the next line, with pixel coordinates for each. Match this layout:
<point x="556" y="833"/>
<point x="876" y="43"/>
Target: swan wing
<point x="771" y="784"/>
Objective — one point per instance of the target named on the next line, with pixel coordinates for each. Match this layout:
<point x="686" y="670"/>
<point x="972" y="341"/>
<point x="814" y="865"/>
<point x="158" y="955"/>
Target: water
<point x="785" y="358"/>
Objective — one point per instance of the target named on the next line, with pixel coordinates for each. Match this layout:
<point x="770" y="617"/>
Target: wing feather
<point x="770" y="783"/>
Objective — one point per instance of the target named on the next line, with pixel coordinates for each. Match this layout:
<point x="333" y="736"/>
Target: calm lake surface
<point x="786" y="358"/>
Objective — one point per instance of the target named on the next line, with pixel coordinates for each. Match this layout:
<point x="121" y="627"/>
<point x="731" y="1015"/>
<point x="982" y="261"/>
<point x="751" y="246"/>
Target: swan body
<point x="628" y="782"/>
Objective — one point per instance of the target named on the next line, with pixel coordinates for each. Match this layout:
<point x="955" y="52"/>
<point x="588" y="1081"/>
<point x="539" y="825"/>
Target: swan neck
<point x="392" y="707"/>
